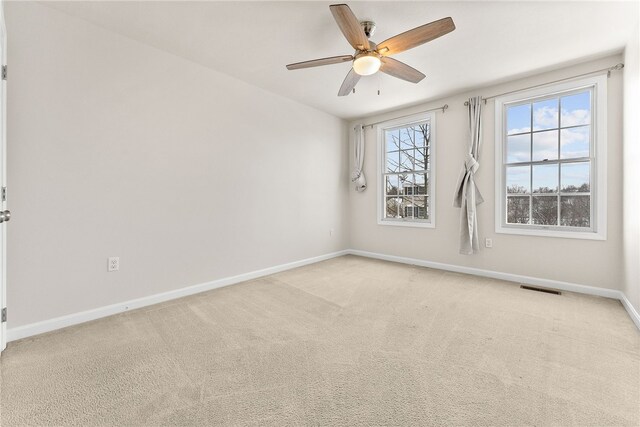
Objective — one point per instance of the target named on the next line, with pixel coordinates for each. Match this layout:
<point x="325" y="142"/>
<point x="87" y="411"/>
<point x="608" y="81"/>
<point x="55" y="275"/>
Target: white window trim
<point x="599" y="150"/>
<point x="380" y="128"/>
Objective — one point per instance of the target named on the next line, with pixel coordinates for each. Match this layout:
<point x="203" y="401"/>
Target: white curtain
<point x="467" y="194"/>
<point x="357" y="176"/>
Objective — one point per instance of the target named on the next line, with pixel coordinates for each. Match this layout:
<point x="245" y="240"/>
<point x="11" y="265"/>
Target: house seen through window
<point x="407" y="195"/>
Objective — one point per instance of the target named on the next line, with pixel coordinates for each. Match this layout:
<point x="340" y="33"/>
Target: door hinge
<point x="4" y="315"/>
<point x="4" y="72"/>
<point x="4" y="194"/>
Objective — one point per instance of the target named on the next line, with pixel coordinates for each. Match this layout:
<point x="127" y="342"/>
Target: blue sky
<point x="410" y="140"/>
<point x="401" y="138"/>
<point x="575" y="110"/>
<point x="572" y="174"/>
<point x="524" y="145"/>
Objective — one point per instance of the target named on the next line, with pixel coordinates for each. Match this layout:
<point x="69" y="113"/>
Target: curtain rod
<point x="444" y="107"/>
<point x="616" y="67"/>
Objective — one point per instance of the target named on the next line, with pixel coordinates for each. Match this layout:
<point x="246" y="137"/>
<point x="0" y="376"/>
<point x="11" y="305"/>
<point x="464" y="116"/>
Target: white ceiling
<point x="253" y="41"/>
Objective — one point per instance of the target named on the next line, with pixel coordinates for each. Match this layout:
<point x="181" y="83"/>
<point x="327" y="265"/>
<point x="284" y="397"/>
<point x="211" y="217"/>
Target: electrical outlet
<point x="113" y="263"/>
<point x="331" y="232"/>
<point x="488" y="243"/>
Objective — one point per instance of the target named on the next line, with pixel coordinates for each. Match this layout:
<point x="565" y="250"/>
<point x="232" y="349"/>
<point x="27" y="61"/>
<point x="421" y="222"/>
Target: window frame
<point x="431" y="188"/>
<point x="597" y="158"/>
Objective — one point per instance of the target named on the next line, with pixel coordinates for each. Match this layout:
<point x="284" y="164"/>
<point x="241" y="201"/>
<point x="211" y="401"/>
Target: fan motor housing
<point x="369" y="28"/>
<point x="372" y="48"/>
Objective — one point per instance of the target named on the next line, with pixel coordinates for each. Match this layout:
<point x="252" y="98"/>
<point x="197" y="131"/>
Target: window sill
<point x="401" y="223"/>
<point x="584" y="235"/>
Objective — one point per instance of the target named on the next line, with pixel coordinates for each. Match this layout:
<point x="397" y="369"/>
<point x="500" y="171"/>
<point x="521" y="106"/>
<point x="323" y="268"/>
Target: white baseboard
<point x="97" y="313"/>
<point x="633" y="313"/>
<point x="547" y="283"/>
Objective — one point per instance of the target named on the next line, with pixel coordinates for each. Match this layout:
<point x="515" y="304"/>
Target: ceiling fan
<point x="371" y="57"/>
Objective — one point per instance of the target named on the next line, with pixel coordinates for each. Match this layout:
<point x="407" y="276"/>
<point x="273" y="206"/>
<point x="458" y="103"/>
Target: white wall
<point x="119" y="149"/>
<point x="188" y="175"/>
<point x="586" y="262"/>
<point x="632" y="171"/>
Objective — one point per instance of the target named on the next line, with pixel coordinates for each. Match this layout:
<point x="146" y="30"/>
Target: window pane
<point x="545" y="114"/>
<point x="406" y="138"/>
<point x="575" y="177"/>
<point x="416" y="137"/>
<point x="393" y="162"/>
<point x="392" y="207"/>
<point x="545" y="145"/>
<point x="518" y="210"/>
<point x="422" y="134"/>
<point x="519" y="148"/>
<point x="428" y="157"/>
<point x="421" y="182"/>
<point x="407" y="159"/>
<point x="576" y="109"/>
<point x="545" y="178"/>
<point x="575" y="211"/>
<point x="409" y="186"/>
<point x="518" y="179"/>
<point x="391" y="185"/>
<point x="393" y="140"/>
<point x="544" y="210"/>
<point x="417" y="140"/>
<point x="519" y="119"/>
<point x="406" y="207"/>
<point x="574" y="142"/>
<point x="420" y="158"/>
<point x="402" y="182"/>
<point x="420" y="207"/>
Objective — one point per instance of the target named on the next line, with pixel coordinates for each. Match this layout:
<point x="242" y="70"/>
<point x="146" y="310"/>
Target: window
<point x="551" y="161"/>
<point x="406" y="187"/>
<point x="414" y="211"/>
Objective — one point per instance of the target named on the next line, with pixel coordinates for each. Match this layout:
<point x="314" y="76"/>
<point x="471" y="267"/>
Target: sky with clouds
<point x="567" y="137"/>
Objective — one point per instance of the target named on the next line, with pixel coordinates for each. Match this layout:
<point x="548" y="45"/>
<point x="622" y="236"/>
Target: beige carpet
<point x="350" y="341"/>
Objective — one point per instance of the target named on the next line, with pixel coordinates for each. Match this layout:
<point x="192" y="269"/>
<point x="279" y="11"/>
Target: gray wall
<point x="119" y="149"/>
<point x="586" y="262"/>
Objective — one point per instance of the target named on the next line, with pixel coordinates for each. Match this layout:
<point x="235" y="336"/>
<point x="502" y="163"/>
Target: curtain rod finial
<point x="619" y="66"/>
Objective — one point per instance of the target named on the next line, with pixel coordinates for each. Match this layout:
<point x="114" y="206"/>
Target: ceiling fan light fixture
<point x="370" y="57"/>
<point x="367" y="64"/>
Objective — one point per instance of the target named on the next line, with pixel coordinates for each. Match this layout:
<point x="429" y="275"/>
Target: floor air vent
<point x="545" y="290"/>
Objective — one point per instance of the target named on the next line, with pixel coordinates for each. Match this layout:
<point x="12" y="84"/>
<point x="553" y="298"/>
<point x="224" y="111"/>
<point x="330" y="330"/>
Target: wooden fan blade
<point x="319" y="62"/>
<point x="350" y="26"/>
<point x="349" y="83"/>
<point x="400" y="70"/>
<point x="416" y="37"/>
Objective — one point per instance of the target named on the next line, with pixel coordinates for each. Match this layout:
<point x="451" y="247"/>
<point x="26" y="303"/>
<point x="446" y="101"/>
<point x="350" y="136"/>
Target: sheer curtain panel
<point x="467" y="195"/>
<point x="357" y="176"/>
